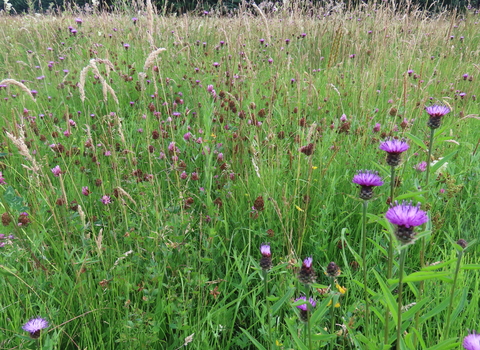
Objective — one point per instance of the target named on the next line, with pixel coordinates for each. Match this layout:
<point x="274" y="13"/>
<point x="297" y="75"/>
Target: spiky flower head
<point x="406" y="216"/>
<point x="436" y="112"/>
<point x="34" y="326"/>
<point x="367" y="179"/>
<point x="266" y="261"/>
<point x="394" y="148"/>
<point x="472" y="341"/>
<point x="333" y="270"/>
<point x="462" y="243"/>
<point x="307" y="273"/>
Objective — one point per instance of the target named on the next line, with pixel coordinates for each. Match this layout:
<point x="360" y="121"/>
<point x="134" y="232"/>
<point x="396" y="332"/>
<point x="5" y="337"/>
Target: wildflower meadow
<point x="295" y="176"/>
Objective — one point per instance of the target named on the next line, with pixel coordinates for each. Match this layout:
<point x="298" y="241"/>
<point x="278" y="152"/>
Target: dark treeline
<point x="222" y="6"/>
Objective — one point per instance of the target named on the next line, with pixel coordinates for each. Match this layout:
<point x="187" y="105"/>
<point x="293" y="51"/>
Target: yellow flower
<point x="277" y="343"/>
<point x="314" y="167"/>
<point x="336" y="305"/>
<point x="213" y="136"/>
<point x="341" y="289"/>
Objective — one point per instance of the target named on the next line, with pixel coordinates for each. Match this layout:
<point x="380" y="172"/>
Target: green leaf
<point x="387" y="296"/>
<point x="445" y="345"/>
<point x="423" y="276"/>
<point x="417" y="141"/>
<point x="471" y="267"/>
<point x="279" y="303"/>
<point x="253" y="340"/>
<point x="439" y="308"/>
<point x="442" y="161"/>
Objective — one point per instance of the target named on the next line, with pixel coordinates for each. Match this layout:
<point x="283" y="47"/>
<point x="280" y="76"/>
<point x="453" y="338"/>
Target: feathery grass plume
<point x="150" y="23"/>
<point x="122" y="192"/>
<point x="105" y="87"/>
<point x="151" y="58"/>
<point x="20" y="85"/>
<point x="24" y="151"/>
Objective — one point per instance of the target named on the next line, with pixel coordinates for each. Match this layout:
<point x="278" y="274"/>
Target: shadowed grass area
<point x="175" y="165"/>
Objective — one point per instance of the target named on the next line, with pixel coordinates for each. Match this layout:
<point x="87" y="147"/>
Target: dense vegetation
<point x="145" y="158"/>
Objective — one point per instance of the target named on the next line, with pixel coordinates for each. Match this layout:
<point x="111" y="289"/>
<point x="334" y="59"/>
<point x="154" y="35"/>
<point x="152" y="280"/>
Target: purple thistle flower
<point x="304" y="314"/>
<point x="307" y="273"/>
<point x="304" y="307"/>
<point x="406" y="216"/>
<point x="266" y="260"/>
<point x="394" y="148"/>
<point x="367" y="179"/>
<point x="472" y="341"/>
<point x="34" y="326"/>
<point x="265" y="249"/>
<point x="436" y="112"/>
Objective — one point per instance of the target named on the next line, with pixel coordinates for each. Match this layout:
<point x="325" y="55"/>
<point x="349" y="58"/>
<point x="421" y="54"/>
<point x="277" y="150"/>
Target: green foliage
<point x="184" y="183"/>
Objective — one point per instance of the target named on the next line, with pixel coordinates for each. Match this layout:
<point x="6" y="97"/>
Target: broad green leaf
<point x="279" y="303"/>
<point x="442" y="161"/>
<point x="423" y="276"/>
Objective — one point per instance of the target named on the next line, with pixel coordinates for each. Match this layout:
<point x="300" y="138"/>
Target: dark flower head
<point x="406" y="216"/>
<point x="462" y="243"/>
<point x="34" y="326"/>
<point x="394" y="149"/>
<point x="333" y="270"/>
<point x="472" y="341"/>
<point x="436" y="112"/>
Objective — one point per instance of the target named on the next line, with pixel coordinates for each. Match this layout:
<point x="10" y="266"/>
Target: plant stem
<point x="267" y="302"/>
<point x="452" y="293"/>
<point x="403" y="252"/>
<point x="364" y="260"/>
<point x="390" y="255"/>
<point x="332" y="314"/>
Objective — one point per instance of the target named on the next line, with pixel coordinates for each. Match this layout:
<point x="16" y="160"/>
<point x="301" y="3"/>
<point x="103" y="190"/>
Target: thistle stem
<point x="364" y="260"/>
<point x="267" y="302"/>
<point x="403" y="253"/>
<point x="332" y="314"/>
<point x="390" y="255"/>
<point x="309" y="311"/>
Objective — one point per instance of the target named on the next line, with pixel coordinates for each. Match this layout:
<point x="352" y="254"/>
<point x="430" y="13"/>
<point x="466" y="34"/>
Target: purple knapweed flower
<point x="126" y="46"/>
<point x="304" y="314"/>
<point x="377" y="127"/>
<point x="472" y="341"/>
<point x="304" y="307"/>
<point x="134" y="20"/>
<point x="367" y="179"/>
<point x="394" y="149"/>
<point x="307" y="273"/>
<point x="436" y="112"/>
<point x="266" y="261"/>
<point x="2" y="179"/>
<point x="34" y="326"/>
<point x="406" y="216"/>
<point x="85" y="191"/>
<point x="56" y="171"/>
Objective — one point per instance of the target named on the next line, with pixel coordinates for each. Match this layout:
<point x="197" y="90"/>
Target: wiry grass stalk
<point x="269" y="316"/>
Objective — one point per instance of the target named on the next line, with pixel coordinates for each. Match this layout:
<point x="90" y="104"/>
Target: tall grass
<point x="150" y="235"/>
